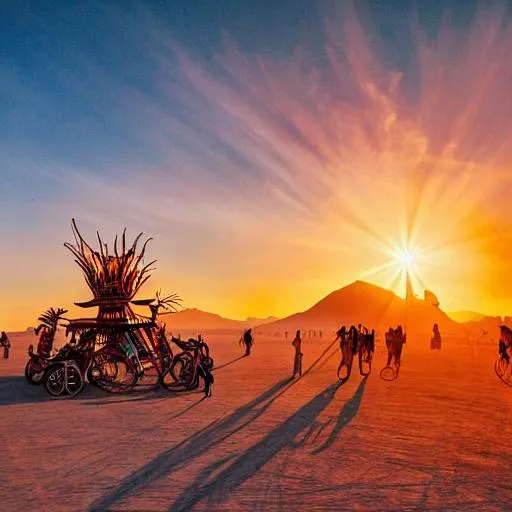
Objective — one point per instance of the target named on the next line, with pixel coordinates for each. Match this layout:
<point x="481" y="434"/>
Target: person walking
<point x="248" y="341"/>
<point x="297" y="364"/>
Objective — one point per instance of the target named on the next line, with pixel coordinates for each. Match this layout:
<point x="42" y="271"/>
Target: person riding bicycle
<point x="354" y="336"/>
<point x="341" y="334"/>
<point x="395" y="338"/>
<point x="371" y="341"/>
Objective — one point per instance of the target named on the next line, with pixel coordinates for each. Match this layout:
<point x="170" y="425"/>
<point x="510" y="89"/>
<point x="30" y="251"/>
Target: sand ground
<point x="438" y="438"/>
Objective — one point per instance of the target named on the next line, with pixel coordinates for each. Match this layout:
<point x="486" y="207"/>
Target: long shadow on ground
<point x="189" y="449"/>
<point x="133" y="396"/>
<point x="229" y="363"/>
<point x="254" y="458"/>
<point x="15" y="390"/>
<point x="347" y="414"/>
<point x="204" y="440"/>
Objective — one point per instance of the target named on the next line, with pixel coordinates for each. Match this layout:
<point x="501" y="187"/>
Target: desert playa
<point x="434" y="439"/>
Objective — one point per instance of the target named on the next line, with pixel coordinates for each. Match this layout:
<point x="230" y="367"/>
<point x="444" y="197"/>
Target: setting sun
<point x="407" y="259"/>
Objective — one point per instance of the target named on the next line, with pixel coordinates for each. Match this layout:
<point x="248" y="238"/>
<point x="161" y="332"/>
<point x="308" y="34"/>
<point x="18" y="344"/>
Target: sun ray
<point x="378" y="269"/>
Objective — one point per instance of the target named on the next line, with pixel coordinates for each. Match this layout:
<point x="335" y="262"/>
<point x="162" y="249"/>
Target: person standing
<point x="4" y="341"/>
<point x="435" y="342"/>
<point x="297" y="364"/>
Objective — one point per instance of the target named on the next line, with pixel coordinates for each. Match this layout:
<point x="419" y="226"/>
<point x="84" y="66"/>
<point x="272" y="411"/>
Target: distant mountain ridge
<point x="371" y="305"/>
<point x="358" y="302"/>
<point x="196" y="319"/>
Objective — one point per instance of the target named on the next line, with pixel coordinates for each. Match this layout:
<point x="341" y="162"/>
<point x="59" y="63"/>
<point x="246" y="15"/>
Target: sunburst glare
<point x="402" y="261"/>
<point x="407" y="259"/>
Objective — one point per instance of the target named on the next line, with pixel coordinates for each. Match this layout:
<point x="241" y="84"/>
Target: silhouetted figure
<point x="341" y="334"/>
<point x="248" y="341"/>
<point x="4" y="342"/>
<point x="505" y="342"/>
<point x="353" y="336"/>
<point x="371" y="341"/>
<point x="208" y="379"/>
<point x="286" y="334"/>
<point x="395" y="338"/>
<point x="502" y="350"/>
<point x="348" y="347"/>
<point x="435" y="342"/>
<point x="297" y="364"/>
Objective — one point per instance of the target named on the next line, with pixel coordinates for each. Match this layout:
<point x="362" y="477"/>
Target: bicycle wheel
<point x="55" y="380"/>
<point x="74" y="382"/>
<point x="388" y="373"/>
<point x="170" y="383"/>
<point x="503" y="370"/>
<point x="182" y="367"/>
<point x="344" y="370"/>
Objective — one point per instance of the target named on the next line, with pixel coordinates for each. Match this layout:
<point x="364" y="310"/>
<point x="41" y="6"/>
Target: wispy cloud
<point x="262" y="161"/>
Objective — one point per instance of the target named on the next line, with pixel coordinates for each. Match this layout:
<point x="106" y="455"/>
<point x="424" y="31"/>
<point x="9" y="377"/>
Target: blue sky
<point x="177" y="118"/>
<point x="67" y="67"/>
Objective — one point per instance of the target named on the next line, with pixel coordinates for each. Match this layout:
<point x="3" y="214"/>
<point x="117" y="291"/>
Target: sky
<point x="275" y="151"/>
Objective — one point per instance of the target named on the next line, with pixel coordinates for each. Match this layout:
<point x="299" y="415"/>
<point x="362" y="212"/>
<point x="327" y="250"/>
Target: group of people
<point x="356" y="336"/>
<point x="5" y="343"/>
<point x="352" y="338"/>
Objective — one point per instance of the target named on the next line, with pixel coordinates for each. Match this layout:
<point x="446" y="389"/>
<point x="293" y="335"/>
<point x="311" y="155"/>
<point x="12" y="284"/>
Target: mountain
<point x="195" y="319"/>
<point x="467" y="316"/>
<point x="201" y="321"/>
<point x="371" y="305"/>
